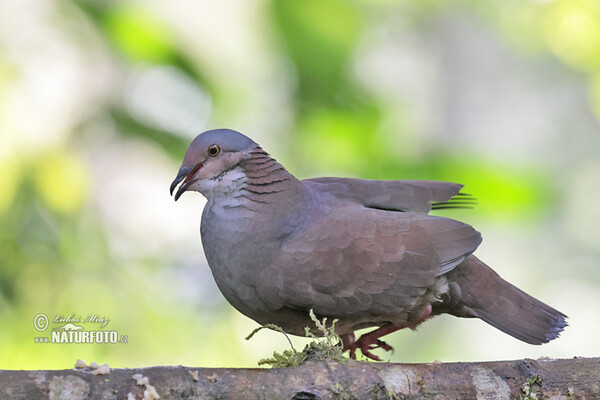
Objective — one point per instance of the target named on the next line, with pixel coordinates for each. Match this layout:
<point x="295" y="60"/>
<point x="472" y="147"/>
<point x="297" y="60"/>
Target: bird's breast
<point x="237" y="249"/>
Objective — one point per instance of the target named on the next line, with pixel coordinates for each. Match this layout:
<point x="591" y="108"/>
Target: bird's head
<point x="209" y="157"/>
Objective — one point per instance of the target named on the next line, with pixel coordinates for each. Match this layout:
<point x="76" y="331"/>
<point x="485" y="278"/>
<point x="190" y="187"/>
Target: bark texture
<point x="577" y="378"/>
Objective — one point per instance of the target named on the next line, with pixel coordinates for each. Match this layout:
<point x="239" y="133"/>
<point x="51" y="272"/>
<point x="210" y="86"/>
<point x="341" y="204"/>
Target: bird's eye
<point x="214" y="150"/>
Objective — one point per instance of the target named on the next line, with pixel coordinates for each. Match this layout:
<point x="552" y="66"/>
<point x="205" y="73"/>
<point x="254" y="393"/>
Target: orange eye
<point x="214" y="150"/>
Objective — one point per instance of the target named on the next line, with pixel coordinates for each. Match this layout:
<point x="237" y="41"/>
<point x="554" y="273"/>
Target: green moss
<point x="327" y="346"/>
<point x="527" y="390"/>
<point x="570" y="394"/>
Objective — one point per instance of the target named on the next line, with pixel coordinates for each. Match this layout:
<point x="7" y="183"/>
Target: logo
<point x="76" y="329"/>
<point x="40" y="322"/>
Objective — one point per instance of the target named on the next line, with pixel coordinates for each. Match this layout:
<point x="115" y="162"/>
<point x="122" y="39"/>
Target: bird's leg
<point x="349" y="343"/>
<point x="371" y="341"/>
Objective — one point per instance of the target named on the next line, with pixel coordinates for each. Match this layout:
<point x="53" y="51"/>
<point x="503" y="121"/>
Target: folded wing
<point x="364" y="263"/>
<point x="400" y="195"/>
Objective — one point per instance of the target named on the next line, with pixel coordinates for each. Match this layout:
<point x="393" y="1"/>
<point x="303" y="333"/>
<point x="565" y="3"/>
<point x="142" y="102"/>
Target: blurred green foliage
<point x="319" y="48"/>
<point x="139" y="34"/>
<point x="56" y="256"/>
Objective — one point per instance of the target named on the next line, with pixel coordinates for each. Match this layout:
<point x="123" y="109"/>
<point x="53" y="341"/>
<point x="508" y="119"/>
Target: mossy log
<point x="577" y="378"/>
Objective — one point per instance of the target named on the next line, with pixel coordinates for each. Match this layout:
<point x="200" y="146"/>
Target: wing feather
<point x="401" y="195"/>
<point x="354" y="261"/>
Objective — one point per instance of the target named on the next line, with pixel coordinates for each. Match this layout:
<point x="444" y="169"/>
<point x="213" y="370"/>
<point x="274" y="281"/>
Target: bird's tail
<point x="477" y="291"/>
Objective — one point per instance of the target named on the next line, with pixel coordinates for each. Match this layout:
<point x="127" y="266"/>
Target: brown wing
<point x="401" y="195"/>
<point x="354" y="261"/>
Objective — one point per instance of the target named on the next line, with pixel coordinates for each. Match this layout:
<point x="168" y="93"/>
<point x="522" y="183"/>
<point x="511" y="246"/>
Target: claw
<point x="370" y="355"/>
<point x="370" y="341"/>
<point x="383" y="345"/>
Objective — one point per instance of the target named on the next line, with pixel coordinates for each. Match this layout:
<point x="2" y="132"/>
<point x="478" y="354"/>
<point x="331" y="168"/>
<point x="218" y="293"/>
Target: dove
<point x="365" y="252"/>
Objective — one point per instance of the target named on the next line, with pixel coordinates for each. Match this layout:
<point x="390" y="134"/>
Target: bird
<point x="365" y="252"/>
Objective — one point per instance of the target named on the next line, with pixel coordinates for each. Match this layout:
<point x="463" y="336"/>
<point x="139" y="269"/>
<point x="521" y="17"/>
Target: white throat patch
<point x="223" y="187"/>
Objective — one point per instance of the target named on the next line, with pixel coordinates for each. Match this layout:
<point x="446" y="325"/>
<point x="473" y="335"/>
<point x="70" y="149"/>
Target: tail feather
<point x="477" y="291"/>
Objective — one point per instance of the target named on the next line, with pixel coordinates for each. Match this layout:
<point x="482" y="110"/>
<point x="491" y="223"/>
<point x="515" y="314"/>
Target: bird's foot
<point x="366" y="346"/>
<point x="368" y="342"/>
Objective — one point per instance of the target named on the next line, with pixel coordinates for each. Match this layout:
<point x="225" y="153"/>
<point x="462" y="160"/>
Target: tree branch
<point x="577" y="378"/>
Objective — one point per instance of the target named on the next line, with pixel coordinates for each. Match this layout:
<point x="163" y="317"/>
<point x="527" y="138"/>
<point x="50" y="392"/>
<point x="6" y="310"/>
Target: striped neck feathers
<point x="254" y="183"/>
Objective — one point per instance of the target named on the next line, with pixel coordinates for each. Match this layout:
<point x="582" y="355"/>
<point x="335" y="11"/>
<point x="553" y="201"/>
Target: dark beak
<point x="186" y="173"/>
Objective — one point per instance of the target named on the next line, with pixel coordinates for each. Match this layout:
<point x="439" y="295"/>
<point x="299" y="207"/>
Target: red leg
<point x="370" y="341"/>
<point x="349" y="343"/>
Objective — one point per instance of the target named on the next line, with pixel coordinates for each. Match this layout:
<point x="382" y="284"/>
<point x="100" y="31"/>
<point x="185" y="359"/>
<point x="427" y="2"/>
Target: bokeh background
<point x="100" y="98"/>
